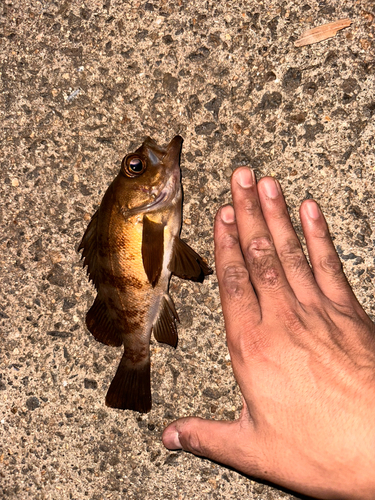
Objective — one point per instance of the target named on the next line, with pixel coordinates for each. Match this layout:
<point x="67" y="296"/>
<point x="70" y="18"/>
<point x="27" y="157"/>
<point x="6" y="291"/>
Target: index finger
<point x="239" y="302"/>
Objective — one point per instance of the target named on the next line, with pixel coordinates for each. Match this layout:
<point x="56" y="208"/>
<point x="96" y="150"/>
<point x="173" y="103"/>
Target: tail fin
<point x="130" y="389"/>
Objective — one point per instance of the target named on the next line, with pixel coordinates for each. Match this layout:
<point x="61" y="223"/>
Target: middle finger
<point x="265" y="269"/>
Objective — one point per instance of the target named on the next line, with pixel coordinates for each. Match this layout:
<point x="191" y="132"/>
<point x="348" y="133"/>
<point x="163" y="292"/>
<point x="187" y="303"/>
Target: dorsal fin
<point x="89" y="254"/>
<point x="152" y="249"/>
<point x="186" y="263"/>
<point x="101" y="324"/>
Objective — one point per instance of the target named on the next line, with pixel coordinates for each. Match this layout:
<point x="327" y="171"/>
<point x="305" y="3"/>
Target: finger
<point x="325" y="262"/>
<point x="236" y="291"/>
<point x="287" y="244"/>
<point x="229" y="443"/>
<point x="265" y="269"/>
<point x="239" y="302"/>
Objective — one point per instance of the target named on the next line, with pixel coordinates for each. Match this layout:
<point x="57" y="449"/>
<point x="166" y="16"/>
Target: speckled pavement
<point x="82" y="84"/>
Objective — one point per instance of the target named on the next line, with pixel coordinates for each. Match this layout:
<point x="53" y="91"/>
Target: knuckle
<point x="190" y="439"/>
<point x="263" y="262"/>
<point x="236" y="272"/>
<point x="251" y="345"/>
<point x="267" y="273"/>
<point x="282" y="216"/>
<point x="331" y="265"/>
<point x="235" y="279"/>
<point x="321" y="233"/>
<point x="290" y="250"/>
<point x="260" y="245"/>
<point x="293" y="322"/>
<point x="251" y="206"/>
<point x="296" y="262"/>
<point x="228" y="241"/>
<point x="291" y="256"/>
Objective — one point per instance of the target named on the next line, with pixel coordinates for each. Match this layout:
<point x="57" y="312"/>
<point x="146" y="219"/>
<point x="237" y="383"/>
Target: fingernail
<point x="313" y="210"/>
<point x="245" y="177"/>
<point x="171" y="440"/>
<point x="227" y="214"/>
<point x="271" y="188"/>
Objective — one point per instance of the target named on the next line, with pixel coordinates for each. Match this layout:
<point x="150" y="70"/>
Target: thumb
<point x="229" y="443"/>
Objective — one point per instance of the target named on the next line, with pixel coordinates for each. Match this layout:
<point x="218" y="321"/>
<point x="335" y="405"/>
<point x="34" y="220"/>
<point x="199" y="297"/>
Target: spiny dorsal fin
<point x="186" y="263"/>
<point x="89" y="254"/>
<point x="165" y="329"/>
<point x="101" y="325"/>
<point x="152" y="249"/>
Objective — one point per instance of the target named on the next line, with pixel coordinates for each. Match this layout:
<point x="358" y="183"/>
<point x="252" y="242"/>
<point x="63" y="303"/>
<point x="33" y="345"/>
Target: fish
<point x="131" y="248"/>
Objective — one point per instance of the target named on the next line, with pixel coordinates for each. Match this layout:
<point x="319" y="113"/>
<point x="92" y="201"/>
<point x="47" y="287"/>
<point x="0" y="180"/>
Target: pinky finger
<point x="325" y="262"/>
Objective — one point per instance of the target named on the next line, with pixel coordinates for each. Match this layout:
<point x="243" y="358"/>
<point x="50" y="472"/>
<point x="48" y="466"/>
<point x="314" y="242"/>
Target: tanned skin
<point x="302" y="351"/>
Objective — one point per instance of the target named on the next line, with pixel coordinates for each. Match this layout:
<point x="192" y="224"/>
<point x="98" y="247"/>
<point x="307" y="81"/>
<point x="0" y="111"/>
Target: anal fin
<point x="131" y="388"/>
<point x="101" y="325"/>
<point x="165" y="329"/>
<point x="186" y="263"/>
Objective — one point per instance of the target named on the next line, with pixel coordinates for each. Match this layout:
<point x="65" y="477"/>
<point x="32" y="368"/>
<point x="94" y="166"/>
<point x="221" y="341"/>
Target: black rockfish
<point x="131" y="247"/>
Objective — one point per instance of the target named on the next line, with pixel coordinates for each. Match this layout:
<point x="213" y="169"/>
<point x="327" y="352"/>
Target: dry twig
<point x="322" y="32"/>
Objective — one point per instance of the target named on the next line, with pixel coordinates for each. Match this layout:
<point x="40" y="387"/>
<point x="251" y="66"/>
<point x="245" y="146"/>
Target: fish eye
<point x="133" y="166"/>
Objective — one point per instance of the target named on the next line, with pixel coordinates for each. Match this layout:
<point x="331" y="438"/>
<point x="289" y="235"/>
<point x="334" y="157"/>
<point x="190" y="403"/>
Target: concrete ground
<point x="82" y="83"/>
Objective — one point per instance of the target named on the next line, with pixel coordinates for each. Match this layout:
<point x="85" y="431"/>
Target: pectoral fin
<point x="165" y="329"/>
<point x="152" y="249"/>
<point x="88" y="245"/>
<point x="186" y="263"/>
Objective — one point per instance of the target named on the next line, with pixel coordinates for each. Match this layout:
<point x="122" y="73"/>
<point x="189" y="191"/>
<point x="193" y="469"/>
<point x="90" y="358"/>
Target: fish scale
<point x="131" y="247"/>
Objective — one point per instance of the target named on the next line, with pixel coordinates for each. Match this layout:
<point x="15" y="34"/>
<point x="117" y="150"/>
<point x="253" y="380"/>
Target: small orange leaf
<point x="322" y="32"/>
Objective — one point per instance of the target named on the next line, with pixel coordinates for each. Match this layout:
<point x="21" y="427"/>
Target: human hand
<point x="302" y="351"/>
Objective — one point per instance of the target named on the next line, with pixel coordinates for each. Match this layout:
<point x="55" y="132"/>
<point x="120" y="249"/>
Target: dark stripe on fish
<point x="121" y="283"/>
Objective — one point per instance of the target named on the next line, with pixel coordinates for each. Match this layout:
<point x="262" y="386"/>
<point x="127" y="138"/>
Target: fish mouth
<point x="168" y="192"/>
<point x="174" y="150"/>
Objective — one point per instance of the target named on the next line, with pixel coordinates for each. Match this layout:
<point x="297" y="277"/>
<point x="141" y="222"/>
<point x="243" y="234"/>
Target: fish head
<point x="152" y="175"/>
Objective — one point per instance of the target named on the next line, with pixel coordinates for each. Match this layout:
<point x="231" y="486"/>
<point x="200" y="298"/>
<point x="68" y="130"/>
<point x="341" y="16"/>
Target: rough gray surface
<point x="82" y="84"/>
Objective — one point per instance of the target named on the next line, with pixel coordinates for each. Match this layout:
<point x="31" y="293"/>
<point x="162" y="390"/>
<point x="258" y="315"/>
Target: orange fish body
<point x="131" y="248"/>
